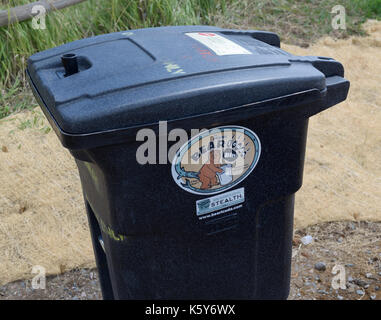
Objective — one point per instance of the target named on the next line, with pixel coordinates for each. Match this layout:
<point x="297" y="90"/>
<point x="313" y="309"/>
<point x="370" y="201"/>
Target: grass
<point x="370" y="8"/>
<point x="15" y="98"/>
<point x="300" y="21"/>
<point x="296" y="21"/>
<point x="37" y="122"/>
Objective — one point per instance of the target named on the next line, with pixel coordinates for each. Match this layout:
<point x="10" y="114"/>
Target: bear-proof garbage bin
<point x="190" y="145"/>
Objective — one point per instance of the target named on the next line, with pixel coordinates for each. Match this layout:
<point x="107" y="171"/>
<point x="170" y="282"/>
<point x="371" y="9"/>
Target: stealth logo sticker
<point x="220" y="201"/>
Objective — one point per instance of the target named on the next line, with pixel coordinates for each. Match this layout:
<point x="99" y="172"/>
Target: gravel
<point x="320" y="266"/>
<point x="360" y="283"/>
<point x="307" y="281"/>
<point x="307" y="240"/>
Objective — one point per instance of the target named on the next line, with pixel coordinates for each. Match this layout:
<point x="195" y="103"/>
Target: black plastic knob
<point x="70" y="64"/>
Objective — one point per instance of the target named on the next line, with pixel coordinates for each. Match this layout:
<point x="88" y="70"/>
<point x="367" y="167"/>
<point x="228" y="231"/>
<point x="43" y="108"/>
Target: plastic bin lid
<point x="133" y="78"/>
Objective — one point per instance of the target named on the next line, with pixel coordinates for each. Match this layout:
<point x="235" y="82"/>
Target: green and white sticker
<point x="220" y="202"/>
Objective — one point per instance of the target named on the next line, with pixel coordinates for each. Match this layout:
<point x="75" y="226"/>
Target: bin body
<point x="161" y="238"/>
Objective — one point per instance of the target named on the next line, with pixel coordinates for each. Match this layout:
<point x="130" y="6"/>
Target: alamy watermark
<point x="339" y="280"/>
<point x="217" y="145"/>
<point x="39" y="18"/>
<point x="39" y="281"/>
<point x="338" y="21"/>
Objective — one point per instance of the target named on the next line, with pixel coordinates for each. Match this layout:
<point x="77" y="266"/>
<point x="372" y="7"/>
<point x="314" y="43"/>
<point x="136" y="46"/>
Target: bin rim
<point x="309" y="102"/>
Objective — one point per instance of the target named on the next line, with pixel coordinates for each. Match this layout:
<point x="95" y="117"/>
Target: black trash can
<point x="213" y="219"/>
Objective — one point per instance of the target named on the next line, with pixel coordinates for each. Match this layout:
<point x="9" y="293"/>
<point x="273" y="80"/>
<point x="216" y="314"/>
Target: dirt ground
<point x="356" y="246"/>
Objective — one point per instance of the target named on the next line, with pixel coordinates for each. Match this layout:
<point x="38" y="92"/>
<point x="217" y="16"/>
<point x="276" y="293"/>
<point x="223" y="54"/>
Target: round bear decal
<point x="216" y="160"/>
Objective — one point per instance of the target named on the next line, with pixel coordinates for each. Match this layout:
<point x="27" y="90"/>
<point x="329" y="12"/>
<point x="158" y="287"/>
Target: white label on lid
<point x="220" y="45"/>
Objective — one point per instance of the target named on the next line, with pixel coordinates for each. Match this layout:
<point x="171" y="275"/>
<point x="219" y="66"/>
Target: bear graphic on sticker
<point x="215" y="161"/>
<point x="213" y="173"/>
